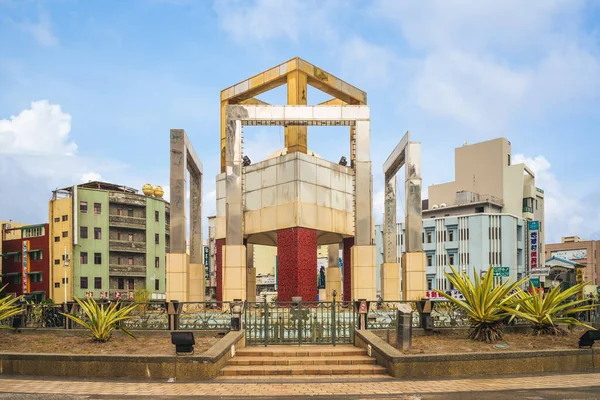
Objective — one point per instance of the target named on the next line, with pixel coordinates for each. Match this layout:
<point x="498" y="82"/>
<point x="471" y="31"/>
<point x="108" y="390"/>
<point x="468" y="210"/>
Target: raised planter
<point x="400" y="365"/>
<point x="195" y="367"/>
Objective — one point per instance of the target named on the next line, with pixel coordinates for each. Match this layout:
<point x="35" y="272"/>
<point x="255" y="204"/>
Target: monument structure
<point x="408" y="154"/>
<point x="185" y="272"/>
<point x="295" y="200"/>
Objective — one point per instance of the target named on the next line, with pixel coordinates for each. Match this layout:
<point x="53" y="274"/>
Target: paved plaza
<point x="551" y="386"/>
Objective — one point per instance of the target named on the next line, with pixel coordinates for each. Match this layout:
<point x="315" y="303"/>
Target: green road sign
<point x="535" y="282"/>
<point x="501" y="271"/>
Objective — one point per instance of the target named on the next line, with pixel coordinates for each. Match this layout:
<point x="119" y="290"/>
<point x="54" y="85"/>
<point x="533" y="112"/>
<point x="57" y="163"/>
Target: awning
<point x="11" y="274"/>
<point x="10" y="253"/>
<point x="34" y="273"/>
<point x="34" y="251"/>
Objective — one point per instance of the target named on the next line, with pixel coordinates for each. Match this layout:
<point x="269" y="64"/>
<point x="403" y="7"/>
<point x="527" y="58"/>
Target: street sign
<point x="501" y="271"/>
<point x="535" y="282"/>
<point x="540" y="271"/>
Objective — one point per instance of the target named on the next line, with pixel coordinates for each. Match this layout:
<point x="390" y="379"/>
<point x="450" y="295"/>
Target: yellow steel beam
<point x="295" y="136"/>
<point x="254" y="102"/>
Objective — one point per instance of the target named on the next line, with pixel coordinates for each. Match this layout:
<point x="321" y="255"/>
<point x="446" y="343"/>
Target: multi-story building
<point x="491" y="215"/>
<point x="108" y="241"/>
<point x="8" y="232"/>
<point x="584" y="252"/>
<point x="26" y="264"/>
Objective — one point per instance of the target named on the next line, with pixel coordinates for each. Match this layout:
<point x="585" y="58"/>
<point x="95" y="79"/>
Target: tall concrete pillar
<point x="297" y="264"/>
<point x="251" y="274"/>
<point x="390" y="269"/>
<point x="197" y="278"/>
<point x="219" y="243"/>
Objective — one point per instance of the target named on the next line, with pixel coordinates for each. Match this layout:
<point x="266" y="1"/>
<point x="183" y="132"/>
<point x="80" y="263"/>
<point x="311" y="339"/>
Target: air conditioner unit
<point x="443" y="205"/>
<point x="434" y="207"/>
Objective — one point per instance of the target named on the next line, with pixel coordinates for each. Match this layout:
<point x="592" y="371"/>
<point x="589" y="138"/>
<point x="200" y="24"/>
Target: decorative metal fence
<point x="299" y="323"/>
<point x="382" y="314"/>
<point x="42" y="316"/>
<point x="208" y="316"/>
<point x="147" y="316"/>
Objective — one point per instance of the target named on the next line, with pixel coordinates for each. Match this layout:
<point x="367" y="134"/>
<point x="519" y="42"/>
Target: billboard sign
<point x="206" y="263"/>
<point x="433" y="295"/>
<point x="534" y="227"/>
<point x="572" y="255"/>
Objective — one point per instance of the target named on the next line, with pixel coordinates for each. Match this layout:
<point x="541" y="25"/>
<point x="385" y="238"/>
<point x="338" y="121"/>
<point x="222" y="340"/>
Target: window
<point x="444" y="236"/>
<point x="130" y="237"/>
<point x="119" y="211"/>
<point x="130" y="212"/>
<point x="451" y="236"/>
<point x="56" y="262"/>
<point x="429" y="261"/>
<point x="479" y="210"/>
<point x="131" y="284"/>
<point x="56" y="285"/>
<point x="121" y="284"/>
<point x="429" y="237"/>
<point x="65" y="280"/>
<point x="16" y="258"/>
<point x="97" y="258"/>
<point x="65" y="218"/>
<point x="451" y="259"/>
<point x="36" y="278"/>
<point x="65" y="234"/>
<point x="156" y="238"/>
<point x="98" y="233"/>
<point x="97" y="208"/>
<point x="130" y="261"/>
<point x="57" y="219"/>
<point x="36" y="255"/>
<point x="97" y="283"/>
<point x="83" y="258"/>
<point x="157" y="262"/>
<point x="156" y="284"/>
<point x="83" y="282"/>
<point x="57" y="238"/>
<point x="17" y="279"/>
<point x="423" y="237"/>
<point x="156" y="216"/>
<point x="429" y="284"/>
<point x="83" y="207"/>
<point x="509" y="160"/>
<point x="168" y="218"/>
<point x="83" y="232"/>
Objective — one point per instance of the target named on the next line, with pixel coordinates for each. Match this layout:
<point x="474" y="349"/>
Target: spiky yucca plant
<point x="545" y="310"/>
<point x="483" y="302"/>
<point x="102" y="320"/>
<point x="8" y="308"/>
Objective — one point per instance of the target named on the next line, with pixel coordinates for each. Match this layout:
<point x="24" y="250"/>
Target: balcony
<point x="122" y="221"/>
<point x="127" y="270"/>
<point x="127" y="246"/>
<point x="127" y="199"/>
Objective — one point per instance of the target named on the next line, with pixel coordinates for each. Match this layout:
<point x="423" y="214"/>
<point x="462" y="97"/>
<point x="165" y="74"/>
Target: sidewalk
<point x="372" y="387"/>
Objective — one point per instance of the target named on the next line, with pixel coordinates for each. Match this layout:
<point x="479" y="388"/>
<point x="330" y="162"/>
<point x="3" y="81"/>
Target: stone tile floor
<point x="586" y="384"/>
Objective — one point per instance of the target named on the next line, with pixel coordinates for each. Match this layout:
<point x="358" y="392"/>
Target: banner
<point x="25" y="262"/>
<point x="533" y="243"/>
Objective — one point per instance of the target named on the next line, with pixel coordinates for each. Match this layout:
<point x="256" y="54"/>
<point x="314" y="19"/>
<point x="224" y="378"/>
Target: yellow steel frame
<point x="297" y="74"/>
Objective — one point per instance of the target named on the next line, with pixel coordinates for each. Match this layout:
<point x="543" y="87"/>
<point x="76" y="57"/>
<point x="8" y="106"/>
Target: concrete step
<point x="304" y="360"/>
<point x="238" y="370"/>
<point x="301" y="351"/>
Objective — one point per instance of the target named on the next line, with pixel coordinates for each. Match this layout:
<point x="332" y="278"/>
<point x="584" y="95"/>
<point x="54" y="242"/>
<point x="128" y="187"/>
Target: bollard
<point x="404" y="327"/>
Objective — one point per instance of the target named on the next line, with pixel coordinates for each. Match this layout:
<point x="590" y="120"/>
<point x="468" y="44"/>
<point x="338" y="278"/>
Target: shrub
<point x="544" y="310"/>
<point x="8" y="309"/>
<point x="102" y="320"/>
<point x="483" y="303"/>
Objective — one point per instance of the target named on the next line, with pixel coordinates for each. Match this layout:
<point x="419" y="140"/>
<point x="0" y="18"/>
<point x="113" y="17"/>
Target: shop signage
<point x="25" y="263"/>
<point x="433" y="295"/>
<point x="533" y="243"/>
<point x="501" y="271"/>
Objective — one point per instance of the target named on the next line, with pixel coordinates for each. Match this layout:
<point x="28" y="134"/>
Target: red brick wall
<point x="297" y="264"/>
<point x="348" y="243"/>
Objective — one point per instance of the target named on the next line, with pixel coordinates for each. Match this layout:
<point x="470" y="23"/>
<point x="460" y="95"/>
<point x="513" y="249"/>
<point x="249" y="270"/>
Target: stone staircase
<point x="302" y="360"/>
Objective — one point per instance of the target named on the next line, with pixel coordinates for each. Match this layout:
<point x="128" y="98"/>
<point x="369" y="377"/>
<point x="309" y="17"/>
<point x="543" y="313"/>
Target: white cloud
<point x="565" y="209"/>
<point x="259" y="20"/>
<point x="41" y="30"/>
<point x="38" y="155"/>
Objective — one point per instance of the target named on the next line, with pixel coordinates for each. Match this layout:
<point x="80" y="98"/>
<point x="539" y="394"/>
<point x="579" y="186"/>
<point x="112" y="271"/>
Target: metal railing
<point x="208" y="316"/>
<point x="299" y="322"/>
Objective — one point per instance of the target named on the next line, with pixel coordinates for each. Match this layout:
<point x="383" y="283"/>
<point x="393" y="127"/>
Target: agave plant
<point x="8" y="308"/>
<point x="483" y="302"/>
<point x="102" y="320"/>
<point x="545" y="310"/>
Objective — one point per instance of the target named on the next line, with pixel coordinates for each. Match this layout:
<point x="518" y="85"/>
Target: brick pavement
<point x="292" y="387"/>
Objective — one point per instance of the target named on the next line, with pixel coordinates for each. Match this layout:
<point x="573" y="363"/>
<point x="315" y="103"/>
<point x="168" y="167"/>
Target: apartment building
<point x="583" y="252"/>
<point x="108" y="241"/>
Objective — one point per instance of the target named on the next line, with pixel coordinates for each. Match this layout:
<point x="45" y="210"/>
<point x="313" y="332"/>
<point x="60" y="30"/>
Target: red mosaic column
<point x="348" y="243"/>
<point x="219" y="256"/>
<point x="297" y="264"/>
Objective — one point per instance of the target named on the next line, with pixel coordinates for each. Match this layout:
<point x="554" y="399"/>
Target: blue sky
<point x="90" y="89"/>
